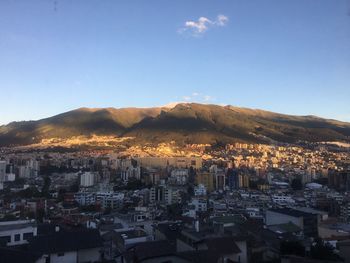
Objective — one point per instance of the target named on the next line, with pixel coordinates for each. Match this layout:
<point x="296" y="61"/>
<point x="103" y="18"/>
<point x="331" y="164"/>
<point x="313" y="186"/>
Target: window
<point x="17" y="237"/>
<point x="27" y="236"/>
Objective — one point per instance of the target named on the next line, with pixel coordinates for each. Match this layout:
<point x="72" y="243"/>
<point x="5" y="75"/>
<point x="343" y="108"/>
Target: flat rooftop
<point x="291" y="212"/>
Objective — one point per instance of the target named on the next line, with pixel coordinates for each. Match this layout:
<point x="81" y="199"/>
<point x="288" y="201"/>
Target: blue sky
<point x="285" y="56"/>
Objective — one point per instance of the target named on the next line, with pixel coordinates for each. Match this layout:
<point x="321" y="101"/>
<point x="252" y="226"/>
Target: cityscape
<point x="174" y="131"/>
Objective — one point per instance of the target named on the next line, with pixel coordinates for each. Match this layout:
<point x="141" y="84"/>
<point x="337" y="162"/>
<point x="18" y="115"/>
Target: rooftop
<point x="12" y="225"/>
<point x="291" y="212"/>
<point x="134" y="233"/>
<point x="64" y="241"/>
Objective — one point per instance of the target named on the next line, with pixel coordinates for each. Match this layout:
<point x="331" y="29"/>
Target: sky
<point x="287" y="56"/>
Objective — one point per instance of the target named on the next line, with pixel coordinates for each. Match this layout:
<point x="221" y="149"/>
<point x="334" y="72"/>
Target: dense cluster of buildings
<point x="241" y="203"/>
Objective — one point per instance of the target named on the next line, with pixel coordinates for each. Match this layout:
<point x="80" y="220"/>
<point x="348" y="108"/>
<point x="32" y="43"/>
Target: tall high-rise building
<point x="243" y="180"/>
<point x="87" y="179"/>
<point x="339" y="180"/>
<point x="220" y="180"/>
<point x="232" y="177"/>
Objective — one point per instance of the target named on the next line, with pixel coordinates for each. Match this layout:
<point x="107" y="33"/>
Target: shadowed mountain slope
<point x="183" y="123"/>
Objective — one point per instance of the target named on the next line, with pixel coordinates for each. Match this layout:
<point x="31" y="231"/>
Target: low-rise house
<point x="68" y="246"/>
<point x="17" y="232"/>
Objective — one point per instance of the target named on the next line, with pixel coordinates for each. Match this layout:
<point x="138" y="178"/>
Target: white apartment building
<point x="200" y="190"/>
<point x="110" y="199"/>
<point x="85" y="198"/>
<point x="14" y="233"/>
<point x="282" y="199"/>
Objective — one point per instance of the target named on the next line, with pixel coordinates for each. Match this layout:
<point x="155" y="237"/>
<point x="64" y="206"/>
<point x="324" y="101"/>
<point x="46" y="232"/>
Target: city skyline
<point x="288" y="57"/>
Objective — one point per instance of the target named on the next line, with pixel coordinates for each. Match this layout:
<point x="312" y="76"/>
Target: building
<point x="200" y="190"/>
<point x="178" y="162"/>
<point x="178" y="176"/>
<point x="206" y="179"/>
<point x="110" y="199"/>
<point x="243" y="180"/>
<point x="227" y="248"/>
<point x="2" y="170"/>
<point x="87" y="179"/>
<point x="130" y="168"/>
<point x="164" y="195"/>
<point x="200" y="205"/>
<point x="219" y="177"/>
<point x="308" y="222"/>
<point x="339" y="180"/>
<point x="14" y="233"/>
<point x="24" y="171"/>
<point x="126" y="238"/>
<point x="84" y="198"/>
<point x="282" y="199"/>
<point x="156" y="194"/>
<point x="232" y="178"/>
<point x="306" y="178"/>
<point x="64" y="246"/>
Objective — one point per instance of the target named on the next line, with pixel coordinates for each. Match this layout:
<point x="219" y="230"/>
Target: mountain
<point x="182" y="123"/>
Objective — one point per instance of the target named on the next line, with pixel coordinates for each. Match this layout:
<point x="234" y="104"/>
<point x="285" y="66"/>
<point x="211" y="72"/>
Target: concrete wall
<point x="273" y="218"/>
<point x="89" y="255"/>
<point x="243" y="256"/>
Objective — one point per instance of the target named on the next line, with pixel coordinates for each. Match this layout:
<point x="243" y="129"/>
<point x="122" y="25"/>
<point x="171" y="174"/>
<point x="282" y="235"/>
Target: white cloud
<point x="198" y="97"/>
<point x="200" y="26"/>
<point x="221" y="20"/>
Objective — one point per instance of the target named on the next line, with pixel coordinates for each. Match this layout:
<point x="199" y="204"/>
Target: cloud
<point x="200" y="26"/>
<point x="198" y="97"/>
<point x="221" y="20"/>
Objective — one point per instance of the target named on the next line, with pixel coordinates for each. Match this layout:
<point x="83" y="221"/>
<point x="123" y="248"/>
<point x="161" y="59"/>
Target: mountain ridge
<point x="183" y="123"/>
